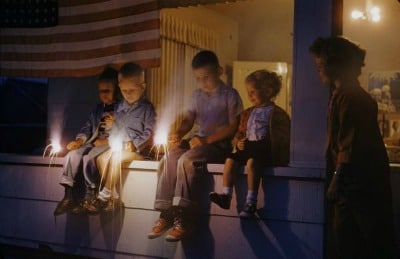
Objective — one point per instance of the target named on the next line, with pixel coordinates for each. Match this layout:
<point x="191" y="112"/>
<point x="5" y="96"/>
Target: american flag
<point x="90" y="34"/>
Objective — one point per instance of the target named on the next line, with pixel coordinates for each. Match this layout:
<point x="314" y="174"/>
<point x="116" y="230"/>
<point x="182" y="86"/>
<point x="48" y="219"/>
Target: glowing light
<point x="161" y="137"/>
<point x="160" y="141"/>
<point x="52" y="150"/>
<point x="357" y="14"/>
<point x="116" y="145"/>
<point x="375" y="14"/>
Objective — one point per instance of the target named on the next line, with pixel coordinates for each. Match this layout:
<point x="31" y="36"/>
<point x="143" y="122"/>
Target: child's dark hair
<point x="264" y="79"/>
<point x="110" y="75"/>
<point x="205" y="58"/>
<point x="130" y="69"/>
<point x="340" y="54"/>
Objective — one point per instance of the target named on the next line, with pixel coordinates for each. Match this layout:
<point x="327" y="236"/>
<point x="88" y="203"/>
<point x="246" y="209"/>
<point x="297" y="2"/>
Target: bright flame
<point x="52" y="149"/>
<point x="56" y="147"/>
<point x="116" y="145"/>
<point x="160" y="141"/>
<point x="161" y="137"/>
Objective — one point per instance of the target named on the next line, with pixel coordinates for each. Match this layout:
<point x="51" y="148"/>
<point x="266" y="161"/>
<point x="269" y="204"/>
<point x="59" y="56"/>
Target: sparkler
<point x="112" y="166"/>
<point x="52" y="149"/>
<point x="160" y="141"/>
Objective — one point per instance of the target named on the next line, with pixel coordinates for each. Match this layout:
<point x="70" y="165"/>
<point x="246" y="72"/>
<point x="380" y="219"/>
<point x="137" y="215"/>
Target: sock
<point x="90" y="193"/>
<point x="105" y="194"/>
<point x="227" y="190"/>
<point x="251" y="197"/>
<point x="68" y="192"/>
<point x="115" y="194"/>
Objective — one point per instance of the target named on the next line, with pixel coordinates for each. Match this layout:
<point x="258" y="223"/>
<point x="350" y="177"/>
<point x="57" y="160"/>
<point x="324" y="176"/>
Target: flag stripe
<point x="153" y="15"/>
<point x="94" y="70"/>
<point x="99" y="7"/>
<point x="89" y="36"/>
<point x="108" y="14"/>
<point x="65" y="3"/>
<point x="84" y="54"/>
<point x="75" y="64"/>
<point x="82" y="36"/>
<point x="81" y="45"/>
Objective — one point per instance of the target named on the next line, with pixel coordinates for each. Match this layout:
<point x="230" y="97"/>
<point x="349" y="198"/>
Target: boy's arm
<point x="224" y="133"/>
<point x="186" y="125"/>
<point x="86" y="131"/>
<point x="142" y="139"/>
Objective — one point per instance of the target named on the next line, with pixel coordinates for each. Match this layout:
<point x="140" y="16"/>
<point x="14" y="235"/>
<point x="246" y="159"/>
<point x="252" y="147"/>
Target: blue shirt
<point x="215" y="111"/>
<point x="258" y="123"/>
<point x="134" y="123"/>
<point x="89" y="131"/>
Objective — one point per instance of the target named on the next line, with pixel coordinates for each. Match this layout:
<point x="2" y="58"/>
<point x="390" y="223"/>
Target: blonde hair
<point x="264" y="79"/>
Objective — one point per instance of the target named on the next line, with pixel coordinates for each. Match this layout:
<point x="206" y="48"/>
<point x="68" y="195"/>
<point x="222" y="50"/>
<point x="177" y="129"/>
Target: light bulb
<point x="356" y="14"/>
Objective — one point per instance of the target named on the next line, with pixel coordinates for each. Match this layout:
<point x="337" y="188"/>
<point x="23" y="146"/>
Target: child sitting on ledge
<point x="262" y="139"/>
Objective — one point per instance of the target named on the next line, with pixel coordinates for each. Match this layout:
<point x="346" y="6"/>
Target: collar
<point x="125" y="106"/>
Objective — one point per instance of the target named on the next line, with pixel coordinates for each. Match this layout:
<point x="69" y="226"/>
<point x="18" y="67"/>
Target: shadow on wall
<point x="201" y="243"/>
<point x="77" y="228"/>
<point x="270" y="235"/>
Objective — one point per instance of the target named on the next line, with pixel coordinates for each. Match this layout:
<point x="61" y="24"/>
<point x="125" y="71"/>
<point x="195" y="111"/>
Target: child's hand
<point x="174" y="140"/>
<point x="109" y="120"/>
<point x="128" y="146"/>
<point x="75" y="144"/>
<point x="197" y="141"/>
<point x="100" y="142"/>
<point x="241" y="143"/>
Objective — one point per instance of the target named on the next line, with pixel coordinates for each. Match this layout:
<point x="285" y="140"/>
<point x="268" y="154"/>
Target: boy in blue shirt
<point x="214" y="108"/>
<point x="132" y="129"/>
<point x="91" y="141"/>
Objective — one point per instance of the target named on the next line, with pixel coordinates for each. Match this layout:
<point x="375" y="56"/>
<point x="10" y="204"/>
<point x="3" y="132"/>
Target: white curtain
<point x="170" y="85"/>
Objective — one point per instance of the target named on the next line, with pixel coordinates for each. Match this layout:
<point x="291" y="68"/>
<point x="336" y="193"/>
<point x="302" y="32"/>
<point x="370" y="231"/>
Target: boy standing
<point x="132" y="130"/>
<point x="91" y="141"/>
<point x="214" y="107"/>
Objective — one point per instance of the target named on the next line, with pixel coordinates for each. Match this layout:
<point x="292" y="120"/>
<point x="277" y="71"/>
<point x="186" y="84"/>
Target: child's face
<point x="132" y="88"/>
<point x="207" y="78"/>
<point x="258" y="97"/>
<point x="106" y="92"/>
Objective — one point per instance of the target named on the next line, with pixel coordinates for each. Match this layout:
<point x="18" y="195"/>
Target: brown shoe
<point x="96" y="206"/>
<point x="82" y="207"/>
<point x="113" y="205"/>
<point x="159" y="228"/>
<point x="222" y="200"/>
<point x="177" y="232"/>
<point x="63" y="206"/>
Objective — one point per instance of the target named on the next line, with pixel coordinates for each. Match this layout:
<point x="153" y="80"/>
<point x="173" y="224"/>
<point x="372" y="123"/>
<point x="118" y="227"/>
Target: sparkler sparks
<point x="160" y="142"/>
<point x="52" y="150"/>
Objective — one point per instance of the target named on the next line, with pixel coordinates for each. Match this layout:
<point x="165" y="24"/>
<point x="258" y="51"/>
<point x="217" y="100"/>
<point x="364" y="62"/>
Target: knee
<point x="251" y="164"/>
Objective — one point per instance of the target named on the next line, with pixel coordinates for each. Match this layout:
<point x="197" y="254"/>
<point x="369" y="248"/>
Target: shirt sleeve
<point x="87" y="129"/>
<point x="346" y="130"/>
<point x="143" y="138"/>
<point x="235" y="105"/>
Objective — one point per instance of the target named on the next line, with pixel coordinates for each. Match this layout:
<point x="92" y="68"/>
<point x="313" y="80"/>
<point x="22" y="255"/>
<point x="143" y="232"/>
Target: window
<point x="23" y="120"/>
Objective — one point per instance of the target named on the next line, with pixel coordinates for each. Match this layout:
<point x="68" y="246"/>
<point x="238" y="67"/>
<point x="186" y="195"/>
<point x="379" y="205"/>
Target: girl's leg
<point x="253" y="183"/>
<point x="253" y="176"/>
<point x="230" y="167"/>
<point x="224" y="199"/>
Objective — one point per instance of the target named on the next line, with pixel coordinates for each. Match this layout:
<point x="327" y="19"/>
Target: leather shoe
<point x="63" y="206"/>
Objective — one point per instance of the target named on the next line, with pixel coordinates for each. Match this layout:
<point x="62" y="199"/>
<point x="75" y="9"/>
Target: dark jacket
<point x="354" y="139"/>
<point x="279" y="133"/>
